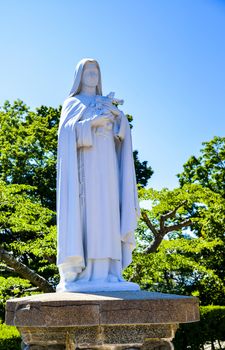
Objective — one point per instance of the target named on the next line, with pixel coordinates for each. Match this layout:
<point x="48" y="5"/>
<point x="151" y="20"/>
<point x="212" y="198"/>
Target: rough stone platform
<point x="112" y="320"/>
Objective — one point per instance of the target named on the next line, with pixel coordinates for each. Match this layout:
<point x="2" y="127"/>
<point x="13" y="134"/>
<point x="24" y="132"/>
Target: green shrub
<point x="11" y="287"/>
<point x="211" y="328"/>
<point x="9" y="338"/>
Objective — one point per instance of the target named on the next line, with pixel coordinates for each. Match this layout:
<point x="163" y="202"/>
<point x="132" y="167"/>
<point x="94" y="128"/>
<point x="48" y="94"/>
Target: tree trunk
<point x="25" y="272"/>
<point x="155" y="244"/>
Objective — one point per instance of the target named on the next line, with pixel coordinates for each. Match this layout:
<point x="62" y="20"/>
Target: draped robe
<point x="97" y="205"/>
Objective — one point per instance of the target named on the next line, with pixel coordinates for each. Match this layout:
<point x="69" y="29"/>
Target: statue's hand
<point x="102" y="120"/>
<point x="108" y="107"/>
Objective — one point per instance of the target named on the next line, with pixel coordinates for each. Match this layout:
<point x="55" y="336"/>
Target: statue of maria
<point x="97" y="204"/>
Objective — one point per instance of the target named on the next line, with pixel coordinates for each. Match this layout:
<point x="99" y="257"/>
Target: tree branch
<point x="160" y="234"/>
<point x="155" y="244"/>
<point x="25" y="272"/>
<point x="172" y="213"/>
<point x="149" y="223"/>
<point x="176" y="227"/>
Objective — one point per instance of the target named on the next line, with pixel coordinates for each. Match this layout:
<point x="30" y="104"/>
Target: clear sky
<point x="165" y="58"/>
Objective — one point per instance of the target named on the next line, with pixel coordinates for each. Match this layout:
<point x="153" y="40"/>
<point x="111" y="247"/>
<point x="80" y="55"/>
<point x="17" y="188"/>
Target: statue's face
<point x="90" y="75"/>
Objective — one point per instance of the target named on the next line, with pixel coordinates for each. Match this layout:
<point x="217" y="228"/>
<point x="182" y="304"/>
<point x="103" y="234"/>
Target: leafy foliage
<point x="187" y="261"/>
<point x="179" y="266"/>
<point x="28" y="231"/>
<point x="9" y="338"/>
<point x="209" y="330"/>
<point x="205" y="208"/>
<point x="12" y="287"/>
<point x="143" y="171"/>
<point x="28" y="148"/>
<point x="209" y="168"/>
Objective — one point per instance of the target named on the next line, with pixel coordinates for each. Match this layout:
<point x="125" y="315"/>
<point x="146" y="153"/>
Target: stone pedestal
<point x="112" y="320"/>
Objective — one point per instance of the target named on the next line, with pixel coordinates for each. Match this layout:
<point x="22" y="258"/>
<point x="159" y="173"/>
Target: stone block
<point x="114" y="320"/>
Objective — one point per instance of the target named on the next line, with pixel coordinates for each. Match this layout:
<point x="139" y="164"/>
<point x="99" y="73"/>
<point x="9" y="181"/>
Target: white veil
<point x="78" y="75"/>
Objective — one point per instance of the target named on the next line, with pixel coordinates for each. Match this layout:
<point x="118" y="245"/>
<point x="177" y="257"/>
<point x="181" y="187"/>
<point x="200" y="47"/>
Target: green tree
<point x="209" y="168"/>
<point x="27" y="242"/>
<point x="143" y="171"/>
<point x="28" y="148"/>
<point x="180" y="249"/>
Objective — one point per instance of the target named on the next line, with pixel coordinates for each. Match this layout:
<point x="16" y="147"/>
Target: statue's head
<point x="87" y="72"/>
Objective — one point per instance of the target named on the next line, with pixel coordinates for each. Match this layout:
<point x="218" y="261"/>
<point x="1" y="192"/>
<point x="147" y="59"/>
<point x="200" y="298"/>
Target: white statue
<point x="97" y="205"/>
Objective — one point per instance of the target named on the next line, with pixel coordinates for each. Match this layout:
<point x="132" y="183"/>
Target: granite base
<point x="107" y="320"/>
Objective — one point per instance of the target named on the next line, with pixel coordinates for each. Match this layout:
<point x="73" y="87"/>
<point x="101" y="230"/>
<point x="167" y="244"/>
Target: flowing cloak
<point x="69" y="219"/>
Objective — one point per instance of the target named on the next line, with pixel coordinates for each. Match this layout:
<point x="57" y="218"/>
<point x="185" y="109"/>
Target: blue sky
<point x="165" y="58"/>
